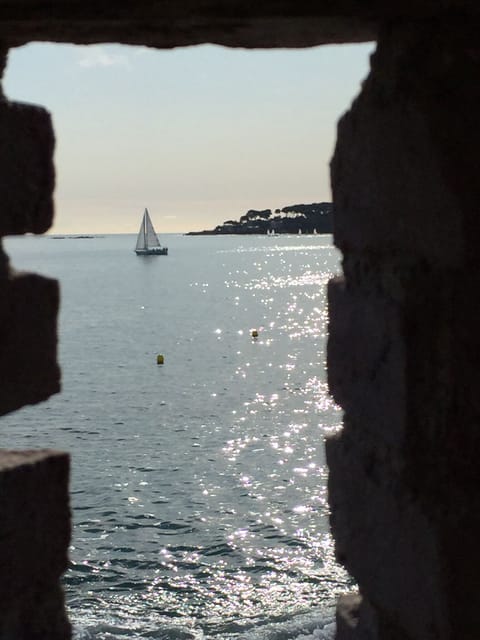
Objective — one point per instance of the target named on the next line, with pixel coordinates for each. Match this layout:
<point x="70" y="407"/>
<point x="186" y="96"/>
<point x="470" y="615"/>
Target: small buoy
<point x="254" y="333"/>
<point x="160" y="359"/>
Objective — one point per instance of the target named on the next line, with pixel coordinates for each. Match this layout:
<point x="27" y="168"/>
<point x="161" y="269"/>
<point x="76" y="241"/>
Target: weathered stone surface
<point x="355" y="619"/>
<point x="404" y="337"/>
<point x="397" y="485"/>
<point x="26" y="161"/>
<point x="3" y="64"/>
<point x="172" y="23"/>
<point x="404" y="166"/>
<point x="348" y="615"/>
<point x="28" y="340"/>
<point x="358" y="620"/>
<point x="366" y="359"/>
<point x="384" y="538"/>
<point x="34" y="538"/>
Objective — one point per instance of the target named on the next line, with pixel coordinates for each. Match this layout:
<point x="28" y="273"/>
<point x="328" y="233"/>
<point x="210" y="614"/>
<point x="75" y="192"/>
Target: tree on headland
<point x="252" y="214"/>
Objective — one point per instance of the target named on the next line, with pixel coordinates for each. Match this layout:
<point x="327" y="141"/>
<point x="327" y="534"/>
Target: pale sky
<point x="199" y="135"/>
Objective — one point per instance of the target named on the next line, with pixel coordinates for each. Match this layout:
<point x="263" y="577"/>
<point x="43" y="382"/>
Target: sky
<point x="199" y="135"/>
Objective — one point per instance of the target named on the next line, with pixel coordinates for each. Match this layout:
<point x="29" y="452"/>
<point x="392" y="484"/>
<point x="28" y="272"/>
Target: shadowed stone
<point x="26" y="162"/>
<point x="404" y="473"/>
<point x="174" y="23"/>
<point x="28" y="340"/>
<point x="34" y="538"/>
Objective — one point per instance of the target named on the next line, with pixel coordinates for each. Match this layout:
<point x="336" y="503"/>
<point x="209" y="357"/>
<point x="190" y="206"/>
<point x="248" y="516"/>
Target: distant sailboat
<point x="147" y="241"/>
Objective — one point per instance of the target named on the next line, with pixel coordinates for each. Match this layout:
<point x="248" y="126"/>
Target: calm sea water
<point x="198" y="487"/>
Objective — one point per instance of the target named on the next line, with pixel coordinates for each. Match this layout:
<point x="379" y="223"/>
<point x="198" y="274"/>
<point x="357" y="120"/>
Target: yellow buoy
<point x="254" y="333"/>
<point x="160" y="359"/>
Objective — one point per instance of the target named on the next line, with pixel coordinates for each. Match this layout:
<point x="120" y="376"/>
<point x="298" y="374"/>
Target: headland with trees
<point x="296" y="218"/>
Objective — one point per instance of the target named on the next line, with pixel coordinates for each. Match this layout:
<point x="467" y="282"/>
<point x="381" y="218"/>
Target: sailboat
<point x="147" y="241"/>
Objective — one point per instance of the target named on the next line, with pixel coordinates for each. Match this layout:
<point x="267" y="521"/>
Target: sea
<point x="198" y="486"/>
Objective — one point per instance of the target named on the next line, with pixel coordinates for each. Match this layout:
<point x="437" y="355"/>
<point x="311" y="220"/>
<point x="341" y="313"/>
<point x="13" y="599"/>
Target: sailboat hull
<point x="153" y="251"/>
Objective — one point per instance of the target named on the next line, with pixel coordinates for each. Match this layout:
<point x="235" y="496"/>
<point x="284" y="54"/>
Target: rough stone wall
<point x="34" y="501"/>
<point x="234" y="23"/>
<point x="404" y="319"/>
<point x="404" y="342"/>
<point x="34" y="537"/>
<point x="28" y="302"/>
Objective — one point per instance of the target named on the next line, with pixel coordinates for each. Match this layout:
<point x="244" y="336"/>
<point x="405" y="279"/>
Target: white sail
<point x="141" y="238"/>
<point x="151" y="236"/>
<point x="147" y="240"/>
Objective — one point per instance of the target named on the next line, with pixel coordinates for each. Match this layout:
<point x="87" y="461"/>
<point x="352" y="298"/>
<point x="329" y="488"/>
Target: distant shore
<point x="296" y="218"/>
